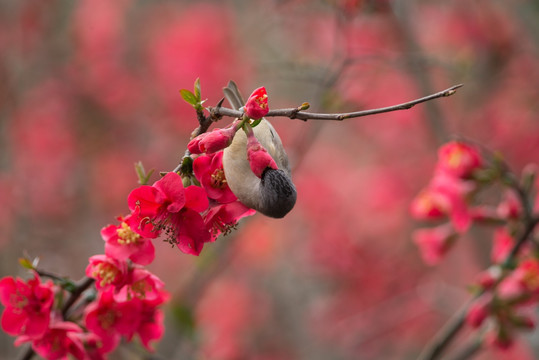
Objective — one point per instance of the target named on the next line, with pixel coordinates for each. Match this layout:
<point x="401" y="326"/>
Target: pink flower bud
<point x="478" y="312"/>
<point x="510" y="207"/>
<point x="259" y="158"/>
<point x="217" y="140"/>
<point x="194" y="144"/>
<point x="488" y="278"/>
<point x="213" y="141"/>
<point x="257" y="104"/>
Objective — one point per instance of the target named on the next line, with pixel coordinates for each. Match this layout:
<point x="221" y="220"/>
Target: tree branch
<point x="295" y="113"/>
<point x="434" y="349"/>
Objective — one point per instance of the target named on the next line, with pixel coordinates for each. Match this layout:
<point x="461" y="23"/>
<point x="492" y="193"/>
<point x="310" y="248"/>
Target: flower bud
<point x="217" y="140"/>
<point x="478" y="312"/>
<point x="257" y="104"/>
<point x="258" y="157"/>
<point x="194" y="144"/>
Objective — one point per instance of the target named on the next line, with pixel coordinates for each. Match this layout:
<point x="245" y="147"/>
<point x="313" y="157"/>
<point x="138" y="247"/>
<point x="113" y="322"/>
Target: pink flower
<point x="256" y="106"/>
<point x="109" y="319"/>
<point x="27" y="306"/>
<point x="123" y="242"/>
<point x="140" y="284"/>
<point x="429" y="204"/>
<point x="59" y="341"/>
<point x="108" y="272"/>
<point x="221" y="218"/>
<point x="214" y="141"/>
<point x="149" y="325"/>
<point x="503" y="243"/>
<point x="168" y="206"/>
<point x="434" y="243"/>
<point x="258" y="157"/>
<point x="458" y="159"/>
<point x="209" y="171"/>
<point x="522" y="285"/>
<point x="456" y="194"/>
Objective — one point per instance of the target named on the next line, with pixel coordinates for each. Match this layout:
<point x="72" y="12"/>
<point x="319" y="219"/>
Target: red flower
<point x="456" y="194"/>
<point x="123" y="242"/>
<point x="109" y="319"/>
<point x="60" y="340"/>
<point x="434" y="243"/>
<point x="27" y="306"/>
<point x="258" y="157"/>
<point x="209" y="171"/>
<point x="108" y="272"/>
<point x="140" y="284"/>
<point x="458" y="159"/>
<point x="257" y="104"/>
<point x="168" y="206"/>
<point x="221" y="218"/>
<point x="429" y="204"/>
<point x="149" y="325"/>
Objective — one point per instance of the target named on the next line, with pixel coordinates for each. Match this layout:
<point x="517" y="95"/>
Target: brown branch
<point x="294" y="113"/>
<point x="444" y="337"/>
<point x="80" y="287"/>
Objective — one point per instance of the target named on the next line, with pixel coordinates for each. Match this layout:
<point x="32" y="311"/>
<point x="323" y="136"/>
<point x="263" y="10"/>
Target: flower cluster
<point x="448" y="197"/>
<point x="188" y="209"/>
<point x="506" y="290"/>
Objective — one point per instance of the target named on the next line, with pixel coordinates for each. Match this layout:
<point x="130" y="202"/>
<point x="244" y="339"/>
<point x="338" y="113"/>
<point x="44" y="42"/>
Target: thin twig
<point x="293" y="113"/>
<point x="28" y="354"/>
<point x="80" y="287"/>
<point x="469" y="350"/>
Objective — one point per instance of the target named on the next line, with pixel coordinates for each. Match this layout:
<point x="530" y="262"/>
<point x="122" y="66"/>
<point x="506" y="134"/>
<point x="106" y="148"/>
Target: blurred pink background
<point x="88" y="88"/>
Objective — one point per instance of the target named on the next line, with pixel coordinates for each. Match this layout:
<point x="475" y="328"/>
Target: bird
<point x="274" y="194"/>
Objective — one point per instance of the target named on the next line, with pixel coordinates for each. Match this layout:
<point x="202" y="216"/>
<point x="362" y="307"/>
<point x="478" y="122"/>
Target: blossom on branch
<point x="458" y="159"/>
<point x="213" y="141"/>
<point x="108" y="272"/>
<point x="61" y="339"/>
<point x="256" y="106"/>
<point x="123" y="242"/>
<point x="209" y="171"/>
<point x="27" y="306"/>
<point x="168" y="206"/>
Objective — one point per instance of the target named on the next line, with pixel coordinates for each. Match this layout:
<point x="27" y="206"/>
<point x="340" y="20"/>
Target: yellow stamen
<point x="126" y="236"/>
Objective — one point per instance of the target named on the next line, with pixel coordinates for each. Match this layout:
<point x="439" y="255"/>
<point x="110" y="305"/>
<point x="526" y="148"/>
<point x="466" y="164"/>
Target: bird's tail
<point x="233" y="95"/>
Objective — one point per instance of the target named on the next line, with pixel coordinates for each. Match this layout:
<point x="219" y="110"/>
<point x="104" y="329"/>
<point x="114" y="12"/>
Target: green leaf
<point x="189" y="97"/>
<point x="197" y="89"/>
<point x="68" y="285"/>
<point x="187" y="166"/>
<point x="25" y="263"/>
<point x="143" y="177"/>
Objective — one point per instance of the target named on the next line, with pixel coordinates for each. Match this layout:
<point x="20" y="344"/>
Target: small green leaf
<point x="68" y="285"/>
<point x="189" y="97"/>
<point x="256" y="122"/>
<point x="187" y="166"/>
<point x="143" y="177"/>
<point x="197" y="89"/>
<point x="25" y="263"/>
